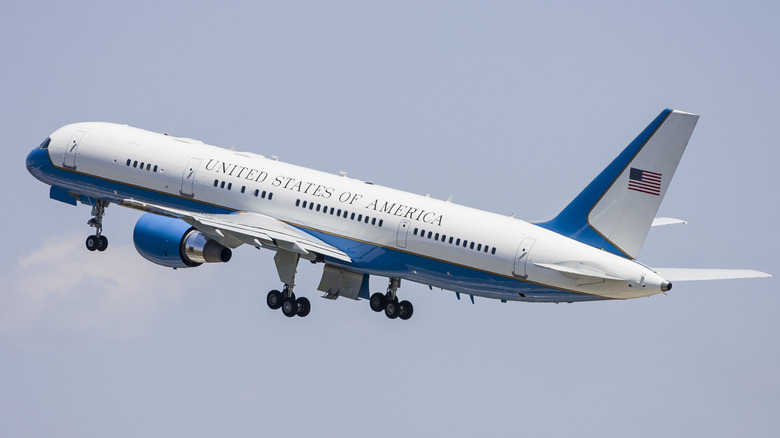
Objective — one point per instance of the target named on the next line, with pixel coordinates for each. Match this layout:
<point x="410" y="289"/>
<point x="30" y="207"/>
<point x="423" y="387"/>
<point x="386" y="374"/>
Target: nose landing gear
<point x="97" y="241"/>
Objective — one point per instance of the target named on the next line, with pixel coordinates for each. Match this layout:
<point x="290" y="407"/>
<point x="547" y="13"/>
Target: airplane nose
<point x="36" y="159"/>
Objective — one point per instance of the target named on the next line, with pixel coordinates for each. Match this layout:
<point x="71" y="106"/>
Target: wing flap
<point x="249" y="228"/>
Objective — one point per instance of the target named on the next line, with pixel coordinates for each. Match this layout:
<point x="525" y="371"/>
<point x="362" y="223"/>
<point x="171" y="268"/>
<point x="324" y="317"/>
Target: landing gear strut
<point x="286" y="263"/>
<point x="390" y="304"/>
<point x="97" y="241"/>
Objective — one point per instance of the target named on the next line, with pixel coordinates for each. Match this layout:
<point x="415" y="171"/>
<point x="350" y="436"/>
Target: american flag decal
<point x="644" y="181"/>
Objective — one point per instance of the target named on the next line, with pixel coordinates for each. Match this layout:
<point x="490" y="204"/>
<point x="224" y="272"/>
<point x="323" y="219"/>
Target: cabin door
<point x="72" y="149"/>
<point x="403" y="231"/>
<point x="520" y="268"/>
<point x="188" y="177"/>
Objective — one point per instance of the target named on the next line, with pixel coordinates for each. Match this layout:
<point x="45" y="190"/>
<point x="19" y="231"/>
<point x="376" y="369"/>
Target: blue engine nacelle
<point x="173" y="243"/>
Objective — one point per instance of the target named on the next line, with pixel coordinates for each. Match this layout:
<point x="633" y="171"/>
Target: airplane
<point x="200" y="202"/>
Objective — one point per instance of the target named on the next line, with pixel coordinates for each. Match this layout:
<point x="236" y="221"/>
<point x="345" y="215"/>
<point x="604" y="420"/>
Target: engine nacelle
<point x="173" y="243"/>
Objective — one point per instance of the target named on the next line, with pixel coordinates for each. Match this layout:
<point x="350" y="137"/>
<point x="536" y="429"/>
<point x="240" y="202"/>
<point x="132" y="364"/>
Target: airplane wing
<point x="577" y="269"/>
<point x="244" y="227"/>
<point x="684" y="274"/>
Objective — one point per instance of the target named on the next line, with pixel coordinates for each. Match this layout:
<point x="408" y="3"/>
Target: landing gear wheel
<point x="405" y="310"/>
<point x="392" y="309"/>
<point x="377" y="302"/>
<point x="92" y="243"/>
<point x="304" y="306"/>
<point x="289" y="307"/>
<point x="274" y="299"/>
<point x="102" y="243"/>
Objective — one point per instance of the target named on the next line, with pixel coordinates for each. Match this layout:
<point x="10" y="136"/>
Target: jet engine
<point x="173" y="243"/>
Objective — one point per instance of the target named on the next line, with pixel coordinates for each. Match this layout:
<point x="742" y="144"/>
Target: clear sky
<point x="507" y="106"/>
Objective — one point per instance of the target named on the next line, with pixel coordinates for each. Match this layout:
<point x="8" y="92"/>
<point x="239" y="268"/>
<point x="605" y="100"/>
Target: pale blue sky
<point x="509" y="107"/>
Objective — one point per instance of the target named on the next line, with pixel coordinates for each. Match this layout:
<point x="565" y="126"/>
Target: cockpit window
<point x="45" y="144"/>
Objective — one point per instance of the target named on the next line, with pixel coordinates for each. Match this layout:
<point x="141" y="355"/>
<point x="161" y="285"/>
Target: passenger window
<point x="430" y="233"/>
<point x="270" y="195"/>
<point x="305" y="203"/>
<point x="479" y="247"/>
<point x="148" y="167"/>
<point x="373" y="221"/>
<point x="257" y="192"/>
<point x="493" y="251"/>
<point x="297" y="202"/>
<point x="263" y="195"/>
<point x="415" y="231"/>
<point x="451" y="240"/>
<point x="338" y="212"/>
<point x="360" y="217"/>
<point x="471" y="246"/>
<point x="230" y="186"/>
<point x="222" y="185"/>
<point x="332" y="210"/>
<point x="135" y="164"/>
<point x="437" y="237"/>
<point x="352" y="217"/>
<point x="243" y="189"/>
<point x="154" y="169"/>
<point x="381" y="221"/>
<point x="142" y="165"/>
<point x="128" y="162"/>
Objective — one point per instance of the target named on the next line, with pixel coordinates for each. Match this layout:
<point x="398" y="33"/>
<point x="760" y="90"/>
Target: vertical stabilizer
<point x="616" y="210"/>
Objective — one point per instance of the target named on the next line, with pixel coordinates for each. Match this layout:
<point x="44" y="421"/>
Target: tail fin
<point x="616" y="210"/>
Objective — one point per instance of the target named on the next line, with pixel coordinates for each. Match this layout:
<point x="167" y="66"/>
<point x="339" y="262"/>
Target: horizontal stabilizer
<point x="659" y="221"/>
<point x="577" y="269"/>
<point x="683" y="274"/>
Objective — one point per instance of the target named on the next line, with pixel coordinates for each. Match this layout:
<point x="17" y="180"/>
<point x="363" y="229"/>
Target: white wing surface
<point x="250" y="228"/>
<point x="684" y="274"/>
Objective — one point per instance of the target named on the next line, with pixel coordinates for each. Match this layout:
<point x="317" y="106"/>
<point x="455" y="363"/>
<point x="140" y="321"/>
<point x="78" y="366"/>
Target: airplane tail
<point x="615" y="211"/>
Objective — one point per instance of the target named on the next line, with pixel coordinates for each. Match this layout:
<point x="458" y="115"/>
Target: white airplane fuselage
<point x="385" y="232"/>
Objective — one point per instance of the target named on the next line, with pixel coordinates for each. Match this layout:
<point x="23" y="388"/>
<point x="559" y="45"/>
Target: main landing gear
<point x="286" y="263"/>
<point x="389" y="302"/>
<point x="97" y="241"/>
<point x="286" y="300"/>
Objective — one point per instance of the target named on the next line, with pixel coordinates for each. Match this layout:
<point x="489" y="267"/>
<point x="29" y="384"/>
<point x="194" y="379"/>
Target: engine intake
<point x="173" y="243"/>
